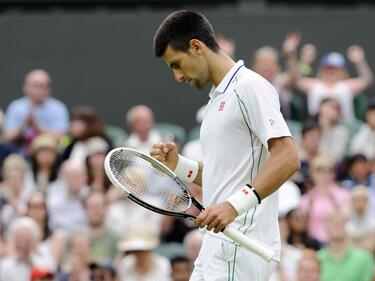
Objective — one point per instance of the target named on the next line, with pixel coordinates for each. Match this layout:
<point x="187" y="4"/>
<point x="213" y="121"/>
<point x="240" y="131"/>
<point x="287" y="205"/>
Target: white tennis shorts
<point x="221" y="260"/>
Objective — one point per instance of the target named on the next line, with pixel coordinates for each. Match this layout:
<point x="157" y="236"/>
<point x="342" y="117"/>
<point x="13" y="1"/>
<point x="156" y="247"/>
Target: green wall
<point x="104" y="57"/>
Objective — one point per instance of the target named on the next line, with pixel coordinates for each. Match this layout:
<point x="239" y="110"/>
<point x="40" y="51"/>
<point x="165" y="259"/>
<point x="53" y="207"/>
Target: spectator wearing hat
<point x="141" y="120"/>
<point x="332" y="78"/>
<point x="339" y="260"/>
<point x="363" y="141"/>
<point x="85" y="124"/>
<point x="103" y="240"/>
<point x="44" y="161"/>
<point x="97" y="149"/>
<point x="35" y="113"/>
<point x="324" y="197"/>
<point x="17" y="266"/>
<point x="65" y="199"/>
<point x="16" y="188"/>
<point x="140" y="262"/>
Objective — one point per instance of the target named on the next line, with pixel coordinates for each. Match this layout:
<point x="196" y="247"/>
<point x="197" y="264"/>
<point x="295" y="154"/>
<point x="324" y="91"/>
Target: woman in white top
<point x="332" y="80"/>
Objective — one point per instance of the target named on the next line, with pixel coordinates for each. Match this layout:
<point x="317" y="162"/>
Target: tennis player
<point x="248" y="149"/>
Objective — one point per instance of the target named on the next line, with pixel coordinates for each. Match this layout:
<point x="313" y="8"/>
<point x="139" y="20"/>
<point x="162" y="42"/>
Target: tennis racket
<point x="154" y="186"/>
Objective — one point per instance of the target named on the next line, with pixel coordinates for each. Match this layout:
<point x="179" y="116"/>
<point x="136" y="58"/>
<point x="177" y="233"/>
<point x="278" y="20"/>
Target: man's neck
<point x="219" y="65"/>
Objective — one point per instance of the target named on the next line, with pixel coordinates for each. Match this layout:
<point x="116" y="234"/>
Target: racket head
<point x="148" y="182"/>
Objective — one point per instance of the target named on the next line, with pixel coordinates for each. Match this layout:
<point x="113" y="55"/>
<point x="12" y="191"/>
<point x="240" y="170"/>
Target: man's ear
<point x="196" y="46"/>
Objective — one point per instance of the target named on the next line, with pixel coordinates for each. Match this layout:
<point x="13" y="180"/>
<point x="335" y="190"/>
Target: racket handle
<point x="249" y="243"/>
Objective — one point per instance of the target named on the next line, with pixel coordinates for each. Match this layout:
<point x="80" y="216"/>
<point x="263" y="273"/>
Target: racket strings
<point x="149" y="182"/>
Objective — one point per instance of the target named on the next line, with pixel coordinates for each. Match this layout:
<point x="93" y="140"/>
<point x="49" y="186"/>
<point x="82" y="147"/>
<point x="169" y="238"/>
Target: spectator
<point x="266" y="64"/>
<point x="44" y="161"/>
<point x="226" y="44"/>
<point x="363" y="141"/>
<point x="97" y="149"/>
<point x="84" y="125"/>
<point x="308" y="150"/>
<point x="134" y="214"/>
<point x="334" y="137"/>
<point x="35" y="113"/>
<point x="181" y="269"/>
<point x="298" y="236"/>
<point x="324" y="197"/>
<point x="26" y="235"/>
<point x="339" y="260"/>
<point x="308" y="267"/>
<point x="141" y="121"/>
<point x="286" y="269"/>
<point x="16" y="188"/>
<point x="52" y="242"/>
<point x="192" y="244"/>
<point x="64" y="200"/>
<point x="289" y="197"/>
<point x="103" y="241"/>
<point x="332" y="78"/>
<point x="78" y="263"/>
<point x="358" y="172"/>
<point x="307" y="57"/>
<point x="361" y="225"/>
<point x="140" y="262"/>
<point x="102" y="272"/>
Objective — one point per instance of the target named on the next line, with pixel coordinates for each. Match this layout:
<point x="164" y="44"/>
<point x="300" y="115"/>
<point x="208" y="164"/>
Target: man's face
<point x="189" y="67"/>
<point x="37" y="86"/>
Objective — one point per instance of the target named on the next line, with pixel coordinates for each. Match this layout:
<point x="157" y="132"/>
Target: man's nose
<point x="178" y="76"/>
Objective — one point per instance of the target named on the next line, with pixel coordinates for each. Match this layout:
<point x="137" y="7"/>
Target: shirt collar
<point x="228" y="78"/>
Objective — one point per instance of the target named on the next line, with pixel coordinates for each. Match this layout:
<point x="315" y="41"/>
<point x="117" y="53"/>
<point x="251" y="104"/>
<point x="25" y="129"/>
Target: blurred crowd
<point x="61" y="219"/>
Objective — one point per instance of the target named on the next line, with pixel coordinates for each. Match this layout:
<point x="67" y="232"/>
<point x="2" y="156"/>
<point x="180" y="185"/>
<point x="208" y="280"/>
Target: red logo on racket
<point x="190" y="174"/>
<point x="245" y="191"/>
<point x="221" y="106"/>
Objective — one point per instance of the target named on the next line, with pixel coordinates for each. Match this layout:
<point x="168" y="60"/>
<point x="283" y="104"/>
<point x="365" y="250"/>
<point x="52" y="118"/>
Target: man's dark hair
<point x="370" y="106"/>
<point x="179" y="28"/>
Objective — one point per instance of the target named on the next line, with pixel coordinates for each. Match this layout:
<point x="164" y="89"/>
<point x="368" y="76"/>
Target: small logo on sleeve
<point x="272" y="122"/>
<point x="221" y="106"/>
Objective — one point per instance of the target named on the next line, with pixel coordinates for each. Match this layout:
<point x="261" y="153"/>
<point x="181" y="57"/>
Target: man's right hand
<point x="166" y="153"/>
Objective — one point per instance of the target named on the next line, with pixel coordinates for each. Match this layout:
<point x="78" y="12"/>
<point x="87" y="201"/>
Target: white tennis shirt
<point x="243" y="113"/>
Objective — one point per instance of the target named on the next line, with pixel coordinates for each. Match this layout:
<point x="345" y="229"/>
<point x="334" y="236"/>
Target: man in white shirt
<point x="247" y="147"/>
<point x="141" y="121"/>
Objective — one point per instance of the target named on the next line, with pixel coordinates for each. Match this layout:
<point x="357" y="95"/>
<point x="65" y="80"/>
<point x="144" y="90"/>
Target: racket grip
<point x="249" y="243"/>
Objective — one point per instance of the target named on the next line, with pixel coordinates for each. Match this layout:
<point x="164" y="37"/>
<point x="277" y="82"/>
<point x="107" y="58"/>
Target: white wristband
<point x="244" y="199"/>
<point x="186" y="169"/>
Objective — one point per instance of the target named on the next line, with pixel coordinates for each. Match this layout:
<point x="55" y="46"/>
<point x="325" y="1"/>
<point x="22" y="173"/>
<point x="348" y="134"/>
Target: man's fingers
<point x="168" y="146"/>
<point x="157" y="151"/>
<point x="213" y="224"/>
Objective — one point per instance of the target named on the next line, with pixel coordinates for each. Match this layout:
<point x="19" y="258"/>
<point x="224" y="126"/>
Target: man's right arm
<point x="167" y="154"/>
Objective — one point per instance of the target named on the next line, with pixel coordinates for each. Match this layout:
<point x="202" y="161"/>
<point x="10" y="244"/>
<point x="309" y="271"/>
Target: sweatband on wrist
<point x="186" y="169"/>
<point x="244" y="199"/>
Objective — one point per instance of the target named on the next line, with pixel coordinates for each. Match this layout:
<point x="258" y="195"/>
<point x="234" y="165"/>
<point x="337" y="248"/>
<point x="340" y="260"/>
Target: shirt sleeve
<point x="13" y="118"/>
<point x="259" y="103"/>
<point x="61" y="118"/>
